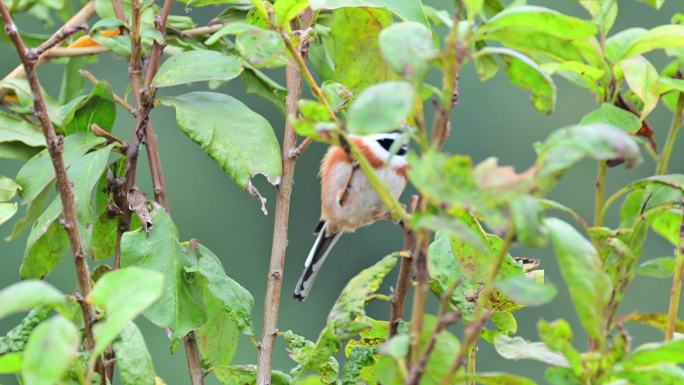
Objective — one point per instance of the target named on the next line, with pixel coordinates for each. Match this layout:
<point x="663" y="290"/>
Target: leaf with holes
<point x="241" y="141"/>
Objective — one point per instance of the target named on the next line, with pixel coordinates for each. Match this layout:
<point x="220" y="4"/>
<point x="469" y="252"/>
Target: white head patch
<point x="380" y="145"/>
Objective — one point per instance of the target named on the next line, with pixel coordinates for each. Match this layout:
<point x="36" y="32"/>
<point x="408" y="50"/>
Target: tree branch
<point x="80" y="17"/>
<point x="280" y="227"/>
<point x="118" y="99"/>
<point x="64" y="186"/>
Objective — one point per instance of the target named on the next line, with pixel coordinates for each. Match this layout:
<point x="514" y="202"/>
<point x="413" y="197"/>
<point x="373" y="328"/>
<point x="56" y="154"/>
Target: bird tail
<point x="319" y="252"/>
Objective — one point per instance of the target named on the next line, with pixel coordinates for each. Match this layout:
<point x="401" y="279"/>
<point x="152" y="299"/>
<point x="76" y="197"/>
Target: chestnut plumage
<point x="348" y="201"/>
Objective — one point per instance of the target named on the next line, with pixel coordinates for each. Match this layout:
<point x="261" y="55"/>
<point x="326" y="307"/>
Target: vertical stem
<point x="403" y="281"/>
<point x="192" y="357"/>
<point x="472" y="363"/>
<point x="671" y="136"/>
<point x="676" y="291"/>
<point x="282" y="215"/>
<point x="420" y="296"/>
<point x="600" y="193"/>
<point x="158" y="181"/>
<point x="55" y="147"/>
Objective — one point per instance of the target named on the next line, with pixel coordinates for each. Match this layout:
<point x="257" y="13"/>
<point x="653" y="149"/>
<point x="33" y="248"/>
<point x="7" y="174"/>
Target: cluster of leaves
<point x="372" y="57"/>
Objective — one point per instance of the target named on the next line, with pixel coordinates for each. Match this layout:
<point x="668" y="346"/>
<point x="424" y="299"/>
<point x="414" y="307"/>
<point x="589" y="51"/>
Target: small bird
<point x="348" y="201"/>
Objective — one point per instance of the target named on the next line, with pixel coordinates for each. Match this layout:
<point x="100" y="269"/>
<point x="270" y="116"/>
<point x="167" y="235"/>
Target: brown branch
<point x="57" y="38"/>
<point x="80" y="17"/>
<point x="118" y="99"/>
<point x="417" y="371"/>
<point x="404" y="278"/>
<point x="64" y="186"/>
<point x="111" y="138"/>
<point x="200" y="31"/>
<point x="294" y="82"/>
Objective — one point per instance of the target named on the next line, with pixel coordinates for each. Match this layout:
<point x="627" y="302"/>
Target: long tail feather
<point x="319" y="252"/>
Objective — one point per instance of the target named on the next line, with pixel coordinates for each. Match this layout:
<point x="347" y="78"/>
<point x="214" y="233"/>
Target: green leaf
<point x="262" y="48"/>
<point x="38" y="172"/>
<point x="667" y="224"/>
<point x="17" y="150"/>
<point x="122" y="294"/>
<point x="178" y="308"/>
<point x="618" y="44"/>
<point x="240" y="140"/>
<point x="34" y="210"/>
<point x="604" y="12"/>
<point x="310" y="357"/>
<point x="8" y="188"/>
<point x="615" y="116"/>
<point x="22" y="90"/>
<point x="381" y="108"/>
<point x="218" y="337"/>
<point x="516" y="348"/>
<point x="557" y="335"/>
<point x="232" y="298"/>
<point x="660" y="37"/>
<point x="411" y="10"/>
<point x="534" y="43"/>
<point x="356" y="55"/>
<point x="47" y="241"/>
<point x="7" y="211"/>
<point x="256" y="82"/>
<point x="502" y="379"/>
<point x="451" y="259"/>
<point x="657" y="268"/>
<point x="11" y="362"/>
<point x="660" y="374"/>
<point x="655" y="353"/>
<point x="13" y="129"/>
<point x="133" y="360"/>
<point x="562" y="376"/>
<point x="444" y="354"/>
<point x="567" y="146"/>
<point x="582" y="271"/>
<point x="15" y="340"/>
<point x="195" y="66"/>
<point x="346" y="315"/>
<point x="97" y="108"/>
<point x="26" y="295"/>
<point x="50" y="350"/>
<point x="408" y="48"/>
<point x="359" y="358"/>
<point x="642" y="78"/>
<point x="526" y="291"/>
<point x="286" y="10"/>
<point x="246" y="375"/>
<point x="523" y="72"/>
<point x="528" y="215"/>
<point x="656" y="320"/>
<point x="540" y="19"/>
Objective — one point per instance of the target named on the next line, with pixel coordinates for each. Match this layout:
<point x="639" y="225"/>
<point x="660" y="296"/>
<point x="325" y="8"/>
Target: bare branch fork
<point x="29" y="58"/>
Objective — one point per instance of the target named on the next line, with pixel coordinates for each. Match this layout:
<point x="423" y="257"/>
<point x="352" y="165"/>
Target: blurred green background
<point x="493" y="119"/>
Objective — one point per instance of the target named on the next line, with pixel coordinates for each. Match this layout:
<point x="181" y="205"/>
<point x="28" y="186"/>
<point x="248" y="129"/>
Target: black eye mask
<point x="387" y="143"/>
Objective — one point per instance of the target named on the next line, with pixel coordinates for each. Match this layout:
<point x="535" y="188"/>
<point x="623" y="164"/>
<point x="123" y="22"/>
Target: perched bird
<point x="348" y="201"/>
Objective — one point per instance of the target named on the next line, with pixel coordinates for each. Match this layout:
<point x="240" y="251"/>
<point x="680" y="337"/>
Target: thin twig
<point x="59" y="52"/>
<point x="111" y="138"/>
<point x="676" y="291"/>
<point x="445" y="319"/>
<point x="118" y="99"/>
<point x="480" y="315"/>
<point x="404" y="278"/>
<point x="80" y="17"/>
<point x="200" y="31"/>
<point x="59" y="36"/>
<point x="282" y="215"/>
<point x="55" y="149"/>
